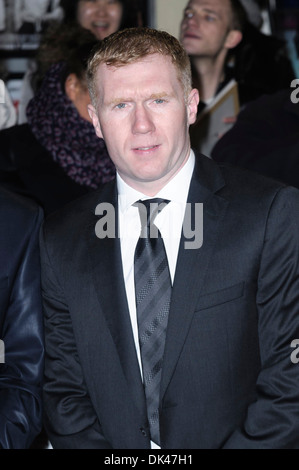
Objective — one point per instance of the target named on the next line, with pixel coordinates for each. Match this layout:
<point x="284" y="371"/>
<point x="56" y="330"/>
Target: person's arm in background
<point x="21" y="327"/>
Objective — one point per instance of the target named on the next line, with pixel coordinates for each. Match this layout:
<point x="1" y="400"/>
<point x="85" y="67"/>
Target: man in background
<point x="223" y="45"/>
<point x="210" y="29"/>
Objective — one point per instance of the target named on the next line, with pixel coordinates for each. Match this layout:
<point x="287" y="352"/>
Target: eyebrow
<point x="212" y="12"/>
<point x="205" y="9"/>
<point x="153" y="96"/>
<point x="163" y="94"/>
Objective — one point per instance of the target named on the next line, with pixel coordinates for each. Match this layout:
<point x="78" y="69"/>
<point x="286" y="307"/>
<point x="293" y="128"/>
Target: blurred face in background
<point x="206" y="27"/>
<point x="101" y="17"/>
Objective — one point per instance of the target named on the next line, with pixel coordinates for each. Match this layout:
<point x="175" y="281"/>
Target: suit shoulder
<point x="242" y="184"/>
<point x="221" y="174"/>
<point x="249" y="180"/>
<point x="79" y="212"/>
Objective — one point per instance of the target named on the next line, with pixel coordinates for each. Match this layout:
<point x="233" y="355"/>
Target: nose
<point x="101" y="6"/>
<point x="142" y="120"/>
<point x="189" y="17"/>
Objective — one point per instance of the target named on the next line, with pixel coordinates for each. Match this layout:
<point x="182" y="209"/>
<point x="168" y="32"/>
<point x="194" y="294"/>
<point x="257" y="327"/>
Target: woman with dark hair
<point x="102" y="17"/>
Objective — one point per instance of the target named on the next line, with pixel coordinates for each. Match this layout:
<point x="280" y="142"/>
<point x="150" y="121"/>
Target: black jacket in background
<point x="21" y="322"/>
<point x="265" y="138"/>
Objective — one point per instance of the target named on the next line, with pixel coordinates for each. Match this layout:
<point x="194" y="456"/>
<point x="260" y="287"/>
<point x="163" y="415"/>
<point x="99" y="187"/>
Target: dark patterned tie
<point x="153" y="294"/>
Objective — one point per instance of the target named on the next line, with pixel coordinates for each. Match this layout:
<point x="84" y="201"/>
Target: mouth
<point x="146" y="149"/>
<point x="189" y="35"/>
<point x="100" y="29"/>
<point x="100" y="24"/>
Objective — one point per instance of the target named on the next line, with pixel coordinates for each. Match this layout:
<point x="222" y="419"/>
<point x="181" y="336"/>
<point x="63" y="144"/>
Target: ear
<point x="192" y="106"/>
<point x="95" y="120"/>
<point x="71" y="87"/>
<point x="233" y="38"/>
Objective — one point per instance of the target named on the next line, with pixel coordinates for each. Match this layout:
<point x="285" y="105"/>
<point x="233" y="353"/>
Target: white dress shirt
<point x="169" y="221"/>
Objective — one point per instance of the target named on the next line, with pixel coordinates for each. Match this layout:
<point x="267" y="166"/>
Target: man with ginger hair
<point x="155" y="341"/>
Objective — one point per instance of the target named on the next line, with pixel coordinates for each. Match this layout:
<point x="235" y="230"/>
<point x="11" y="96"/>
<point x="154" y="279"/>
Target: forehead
<point x="153" y="71"/>
<point x="108" y="2"/>
<point x="222" y="6"/>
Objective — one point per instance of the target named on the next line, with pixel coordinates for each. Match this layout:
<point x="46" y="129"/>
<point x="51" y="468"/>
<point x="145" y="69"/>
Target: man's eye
<point x="120" y="106"/>
<point x="159" y="101"/>
<point x="210" y="18"/>
<point x="188" y="13"/>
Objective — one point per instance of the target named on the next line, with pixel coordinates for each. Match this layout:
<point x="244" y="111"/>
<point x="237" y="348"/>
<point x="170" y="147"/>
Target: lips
<point x="148" y="148"/>
<point x="100" y="29"/>
<point x="100" y="24"/>
<point x="191" y="36"/>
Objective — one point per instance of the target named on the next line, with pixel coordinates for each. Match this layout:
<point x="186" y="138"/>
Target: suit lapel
<point x="107" y="276"/>
<point x="192" y="264"/>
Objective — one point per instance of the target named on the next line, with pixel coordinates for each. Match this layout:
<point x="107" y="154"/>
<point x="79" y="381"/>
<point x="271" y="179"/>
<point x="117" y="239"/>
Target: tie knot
<point x="148" y="210"/>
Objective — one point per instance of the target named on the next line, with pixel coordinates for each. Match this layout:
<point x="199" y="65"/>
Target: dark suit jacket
<point x="228" y="380"/>
<point x="21" y="322"/>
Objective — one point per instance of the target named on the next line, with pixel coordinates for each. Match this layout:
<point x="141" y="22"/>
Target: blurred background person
<point x="209" y="30"/>
<point x="100" y="17"/>
<point x="56" y="156"/>
<point x="224" y="45"/>
<point x="21" y="322"/>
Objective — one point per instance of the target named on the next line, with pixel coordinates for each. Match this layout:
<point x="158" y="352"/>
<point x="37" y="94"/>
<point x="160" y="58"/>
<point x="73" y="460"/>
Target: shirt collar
<point x="176" y="190"/>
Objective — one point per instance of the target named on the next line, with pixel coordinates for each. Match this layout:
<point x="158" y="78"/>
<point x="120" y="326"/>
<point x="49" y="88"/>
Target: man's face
<point x="205" y="26"/>
<point x="144" y="119"/>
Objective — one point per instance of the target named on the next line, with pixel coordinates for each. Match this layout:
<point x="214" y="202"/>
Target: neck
<point x="151" y="188"/>
<point x="209" y="73"/>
